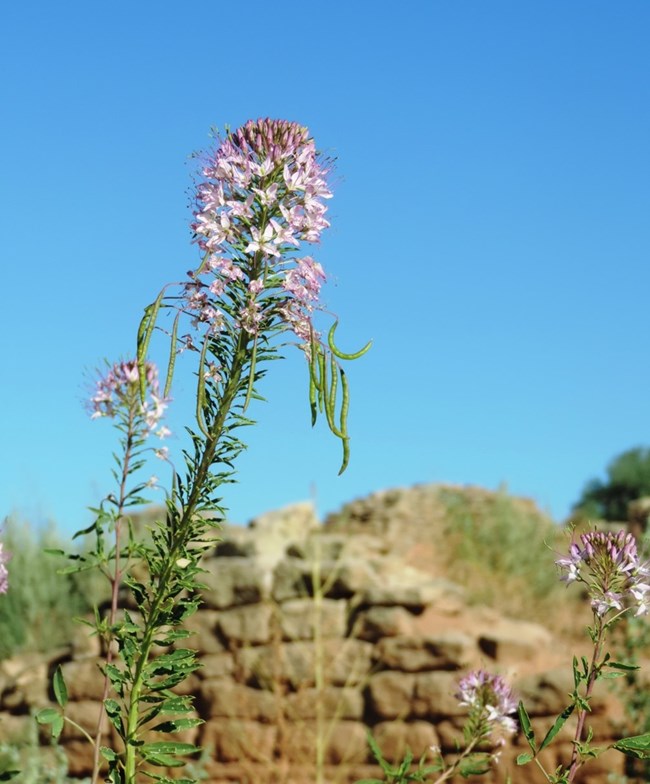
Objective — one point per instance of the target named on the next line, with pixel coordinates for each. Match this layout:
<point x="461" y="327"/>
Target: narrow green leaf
<point x="526" y="727"/>
<point x="175" y="725"/>
<point x="623" y="666"/>
<point x="60" y="690"/>
<point x="557" y="726"/>
<point x="524" y="759"/>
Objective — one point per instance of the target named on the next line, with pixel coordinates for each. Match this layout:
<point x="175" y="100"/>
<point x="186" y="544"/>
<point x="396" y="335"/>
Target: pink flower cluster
<point x="262" y="196"/>
<point x="120" y="387"/>
<point x="4" y="574"/>
<point x="608" y="563"/>
<point x="490" y="700"/>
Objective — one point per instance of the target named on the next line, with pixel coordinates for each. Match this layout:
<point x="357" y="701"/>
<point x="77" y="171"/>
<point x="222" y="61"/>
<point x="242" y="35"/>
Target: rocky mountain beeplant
<point x="260" y="204"/>
<point x="617" y="582"/>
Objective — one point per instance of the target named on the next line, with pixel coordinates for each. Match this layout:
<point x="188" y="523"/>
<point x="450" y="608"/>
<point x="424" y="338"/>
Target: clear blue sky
<point x="489" y="230"/>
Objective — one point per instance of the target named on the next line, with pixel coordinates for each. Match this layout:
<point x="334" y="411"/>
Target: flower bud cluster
<point x="120" y="388"/>
<point x="262" y="196"/>
<point x="490" y="701"/>
<point x="608" y="563"/>
<point x="4" y="574"/>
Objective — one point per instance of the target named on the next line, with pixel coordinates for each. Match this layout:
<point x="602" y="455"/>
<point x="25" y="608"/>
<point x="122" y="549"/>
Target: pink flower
<point x="608" y="564"/>
<point x="119" y="389"/>
<point x="4" y="574"/>
<point x="263" y="195"/>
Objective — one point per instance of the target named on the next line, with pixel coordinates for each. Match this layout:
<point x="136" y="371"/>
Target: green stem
<point x="594" y="668"/>
<point x="231" y="390"/>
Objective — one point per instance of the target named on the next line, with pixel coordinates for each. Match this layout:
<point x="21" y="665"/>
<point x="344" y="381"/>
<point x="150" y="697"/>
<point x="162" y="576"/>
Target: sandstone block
<point x="236" y="740"/>
<point x="216" y="665"/>
<point x="225" y="699"/>
<point x="83" y="679"/>
<point x="332" y="702"/>
<point x="510" y="642"/>
<point x="300" y="617"/>
<point x="204" y="639"/>
<point x="234" y="581"/>
<point x="434" y="695"/>
<point x="345" y="742"/>
<point x="396" y="737"/>
<point x="248" y="625"/>
<point x="377" y="622"/>
<point x="446" y="651"/>
<point x="343" y="663"/>
<point x="390" y="695"/>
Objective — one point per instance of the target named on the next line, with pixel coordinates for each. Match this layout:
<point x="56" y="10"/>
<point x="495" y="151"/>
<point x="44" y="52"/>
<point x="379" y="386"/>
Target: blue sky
<point x="489" y="231"/>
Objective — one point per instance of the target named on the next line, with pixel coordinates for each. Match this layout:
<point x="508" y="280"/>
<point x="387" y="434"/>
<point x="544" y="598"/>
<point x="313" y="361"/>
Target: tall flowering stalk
<point x="260" y="204"/>
<point x="608" y="565"/>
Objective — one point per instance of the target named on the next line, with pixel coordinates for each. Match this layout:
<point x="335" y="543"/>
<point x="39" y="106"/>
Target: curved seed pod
<point x="330" y="398"/>
<point x="345" y="406"/>
<point x="312" y="399"/>
<point x="200" y="391"/>
<point x="251" y="377"/>
<point x="340" y="354"/>
<point x="321" y="382"/>
<point x="172" y="356"/>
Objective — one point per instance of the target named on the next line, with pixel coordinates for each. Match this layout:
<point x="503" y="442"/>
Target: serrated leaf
<point x="60" y="689"/>
<point x="107" y="754"/>
<point x="557" y="726"/>
<point x="636" y="746"/>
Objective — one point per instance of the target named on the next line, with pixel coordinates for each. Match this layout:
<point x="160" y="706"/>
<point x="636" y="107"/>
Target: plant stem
<point x="594" y="668"/>
<point x="116" y="579"/>
<point x="231" y="390"/>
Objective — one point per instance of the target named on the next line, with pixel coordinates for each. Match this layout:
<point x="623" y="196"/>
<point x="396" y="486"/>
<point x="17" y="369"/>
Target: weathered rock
<point x="395" y="737"/>
<point x="377" y="622"/>
<point x="246" y="625"/>
<point x="237" y="740"/>
<point x="234" y="581"/>
<point x="509" y="642"/>
<point x="345" y="742"/>
<point x="435" y="695"/>
<point x="216" y="665"/>
<point x="390" y="695"/>
<point x="224" y="699"/>
<point x="445" y="651"/>
<point x="205" y="638"/>
<point x="330" y="702"/>
<point x="294" y="663"/>
<point x="300" y="618"/>
<point x="83" y="679"/>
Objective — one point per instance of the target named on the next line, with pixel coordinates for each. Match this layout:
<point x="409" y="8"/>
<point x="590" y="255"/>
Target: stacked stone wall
<point x="309" y="638"/>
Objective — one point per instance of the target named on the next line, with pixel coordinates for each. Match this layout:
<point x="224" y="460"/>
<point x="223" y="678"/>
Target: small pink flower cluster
<point x="489" y="698"/>
<point x="4" y="574"/>
<point x="262" y="197"/>
<point x="120" y="386"/>
<point x="608" y="563"/>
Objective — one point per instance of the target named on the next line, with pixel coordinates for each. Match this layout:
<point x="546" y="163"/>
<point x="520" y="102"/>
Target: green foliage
<point x="30" y="763"/>
<point x="37" y="612"/>
<point x="504" y="550"/>
<point x="628" y="478"/>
